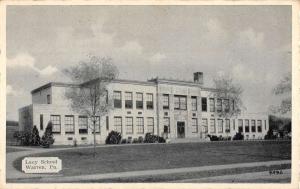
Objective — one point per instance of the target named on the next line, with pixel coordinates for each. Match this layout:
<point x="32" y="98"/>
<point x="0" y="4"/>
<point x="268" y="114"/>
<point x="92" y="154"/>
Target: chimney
<point x="198" y="77"/>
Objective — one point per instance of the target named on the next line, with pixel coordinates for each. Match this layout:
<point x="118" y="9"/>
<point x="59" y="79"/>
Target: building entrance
<point x="180" y="129"/>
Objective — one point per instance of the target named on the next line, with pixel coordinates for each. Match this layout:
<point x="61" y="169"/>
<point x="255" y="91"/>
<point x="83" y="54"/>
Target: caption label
<point x="41" y="165"/>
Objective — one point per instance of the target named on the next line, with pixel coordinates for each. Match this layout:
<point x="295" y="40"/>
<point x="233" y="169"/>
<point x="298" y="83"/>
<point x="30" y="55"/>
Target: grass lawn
<point x="9" y="150"/>
<point x="164" y="156"/>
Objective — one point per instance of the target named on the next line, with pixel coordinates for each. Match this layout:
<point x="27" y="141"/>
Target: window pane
<point x="69" y="124"/>
<point x="150" y="125"/>
<point x="219" y="105"/>
<point x="129" y="125"/>
<point x="83" y="124"/>
<point x="140" y="125"/>
<point x="117" y="99"/>
<point x="165" y="101"/>
<point x="139" y="100"/>
<point x="253" y="126"/>
<point x="212" y="105"/>
<point x="55" y="119"/>
<point x="227" y="126"/>
<point x="166" y="125"/>
<point x="118" y="124"/>
<point x="220" y="126"/>
<point x="194" y="103"/>
<point x="212" y="126"/>
<point x="149" y="102"/>
<point x="194" y="125"/>
<point x="204" y="104"/>
<point x="240" y="125"/>
<point x="204" y="125"/>
<point x="226" y="105"/>
<point x="246" y="125"/>
<point x="259" y="126"/>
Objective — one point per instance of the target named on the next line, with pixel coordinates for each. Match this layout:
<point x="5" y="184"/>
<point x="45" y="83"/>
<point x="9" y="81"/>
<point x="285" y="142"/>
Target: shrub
<point x="135" y="140"/>
<point x="75" y="142"/>
<point x="213" y="137"/>
<point x="140" y="139"/>
<point x="123" y="141"/>
<point x="113" y="137"/>
<point x="47" y="138"/>
<point x="151" y="138"/>
<point x="36" y="140"/>
<point x="238" y="136"/>
<point x="270" y="136"/>
<point x="24" y="137"/>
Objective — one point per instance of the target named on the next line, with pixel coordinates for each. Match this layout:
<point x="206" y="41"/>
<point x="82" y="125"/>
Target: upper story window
<point x="48" y="99"/>
<point x="149" y="101"/>
<point x="212" y="105"/>
<point x="226" y="105"/>
<point x="139" y="100"/>
<point x="117" y="99"/>
<point x="128" y="100"/>
<point x="204" y="104"/>
<point x="194" y="103"/>
<point x="165" y="101"/>
<point x="179" y="102"/>
<point x="219" y="105"/>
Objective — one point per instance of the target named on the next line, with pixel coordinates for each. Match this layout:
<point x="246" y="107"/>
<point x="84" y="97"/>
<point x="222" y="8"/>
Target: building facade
<point x="170" y="108"/>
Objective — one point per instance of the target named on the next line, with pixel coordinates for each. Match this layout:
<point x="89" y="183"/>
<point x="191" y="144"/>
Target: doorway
<point x="180" y="129"/>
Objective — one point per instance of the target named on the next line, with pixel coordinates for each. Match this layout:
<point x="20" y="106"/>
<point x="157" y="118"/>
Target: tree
<point x="229" y="94"/>
<point x="35" y="141"/>
<point x="47" y="138"/>
<point x="91" y="97"/>
<point x="283" y="89"/>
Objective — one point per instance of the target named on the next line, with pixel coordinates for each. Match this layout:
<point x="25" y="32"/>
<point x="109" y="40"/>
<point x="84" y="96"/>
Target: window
<point x="166" y="125"/>
<point x="139" y="100"/>
<point x="233" y="124"/>
<point x="204" y="125"/>
<point x="150" y="125"/>
<point x="259" y="126"/>
<point x="83" y="124"/>
<point x="194" y="125"/>
<point x="227" y="125"/>
<point x="117" y="99"/>
<point x="220" y="126"/>
<point x="204" y="104"/>
<point x="240" y="125"/>
<point x="253" y="126"/>
<point x="128" y="100"/>
<point x="194" y="103"/>
<point x="55" y="119"/>
<point x="140" y="125"/>
<point x="179" y="102"/>
<point x="226" y="105"/>
<point x="97" y="124"/>
<point x="212" y="105"/>
<point x="247" y="126"/>
<point x="129" y="125"/>
<point x="48" y="99"/>
<point x="212" y="125"/>
<point x="165" y="101"/>
<point x="233" y="105"/>
<point x="219" y="105"/>
<point x="149" y="101"/>
<point x="41" y="122"/>
<point x="118" y="124"/>
<point x="69" y="124"/>
<point x="265" y="125"/>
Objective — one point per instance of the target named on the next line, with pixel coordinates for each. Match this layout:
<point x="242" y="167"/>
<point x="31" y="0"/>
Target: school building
<point x="170" y="108"/>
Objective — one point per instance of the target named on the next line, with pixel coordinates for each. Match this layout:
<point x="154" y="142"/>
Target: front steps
<point x="187" y="140"/>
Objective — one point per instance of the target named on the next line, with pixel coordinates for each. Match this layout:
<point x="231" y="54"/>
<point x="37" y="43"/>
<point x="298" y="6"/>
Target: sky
<point x="250" y="43"/>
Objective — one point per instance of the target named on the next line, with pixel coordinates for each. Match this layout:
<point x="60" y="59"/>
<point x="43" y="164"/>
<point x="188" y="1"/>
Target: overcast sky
<point x="252" y="43"/>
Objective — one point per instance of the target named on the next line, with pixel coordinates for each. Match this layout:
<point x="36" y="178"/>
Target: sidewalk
<point x="96" y="177"/>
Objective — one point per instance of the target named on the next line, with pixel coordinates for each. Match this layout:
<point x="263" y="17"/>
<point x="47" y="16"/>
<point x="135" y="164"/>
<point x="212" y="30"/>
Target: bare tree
<point x="283" y="89"/>
<point x="229" y="95"/>
<point x="91" y="97"/>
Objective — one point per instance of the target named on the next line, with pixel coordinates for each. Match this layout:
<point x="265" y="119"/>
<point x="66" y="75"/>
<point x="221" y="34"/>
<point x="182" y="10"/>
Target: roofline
<point x="58" y="84"/>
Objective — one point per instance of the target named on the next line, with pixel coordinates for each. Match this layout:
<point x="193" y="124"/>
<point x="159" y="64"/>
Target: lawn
<point x="10" y="150"/>
<point x="165" y="156"/>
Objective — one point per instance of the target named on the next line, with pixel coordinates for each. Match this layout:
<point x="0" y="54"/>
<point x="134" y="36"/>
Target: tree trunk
<point x="94" y="138"/>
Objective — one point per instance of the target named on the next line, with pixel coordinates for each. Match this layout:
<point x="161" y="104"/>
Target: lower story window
<point x="166" y="125"/>
<point x="140" y="125"/>
<point x="227" y="126"/>
<point x="194" y="125"/>
<point x="150" y="125"/>
<point x="129" y="125"/>
<point x="220" y="126"/>
<point x="97" y="124"/>
<point x="204" y="125"/>
<point x="56" y="124"/>
<point x="69" y="124"/>
<point x="212" y="125"/>
<point x="118" y="124"/>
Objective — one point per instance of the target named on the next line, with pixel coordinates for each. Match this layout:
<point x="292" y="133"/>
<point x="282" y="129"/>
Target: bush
<point x="135" y="140"/>
<point x="238" y="136"/>
<point x="24" y="137"/>
<point x="113" y="137"/>
<point x="123" y="141"/>
<point x="151" y="138"/>
<point x="270" y="136"/>
<point x="140" y="139"/>
<point x="213" y="137"/>
<point x="35" y="137"/>
<point x="47" y="138"/>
